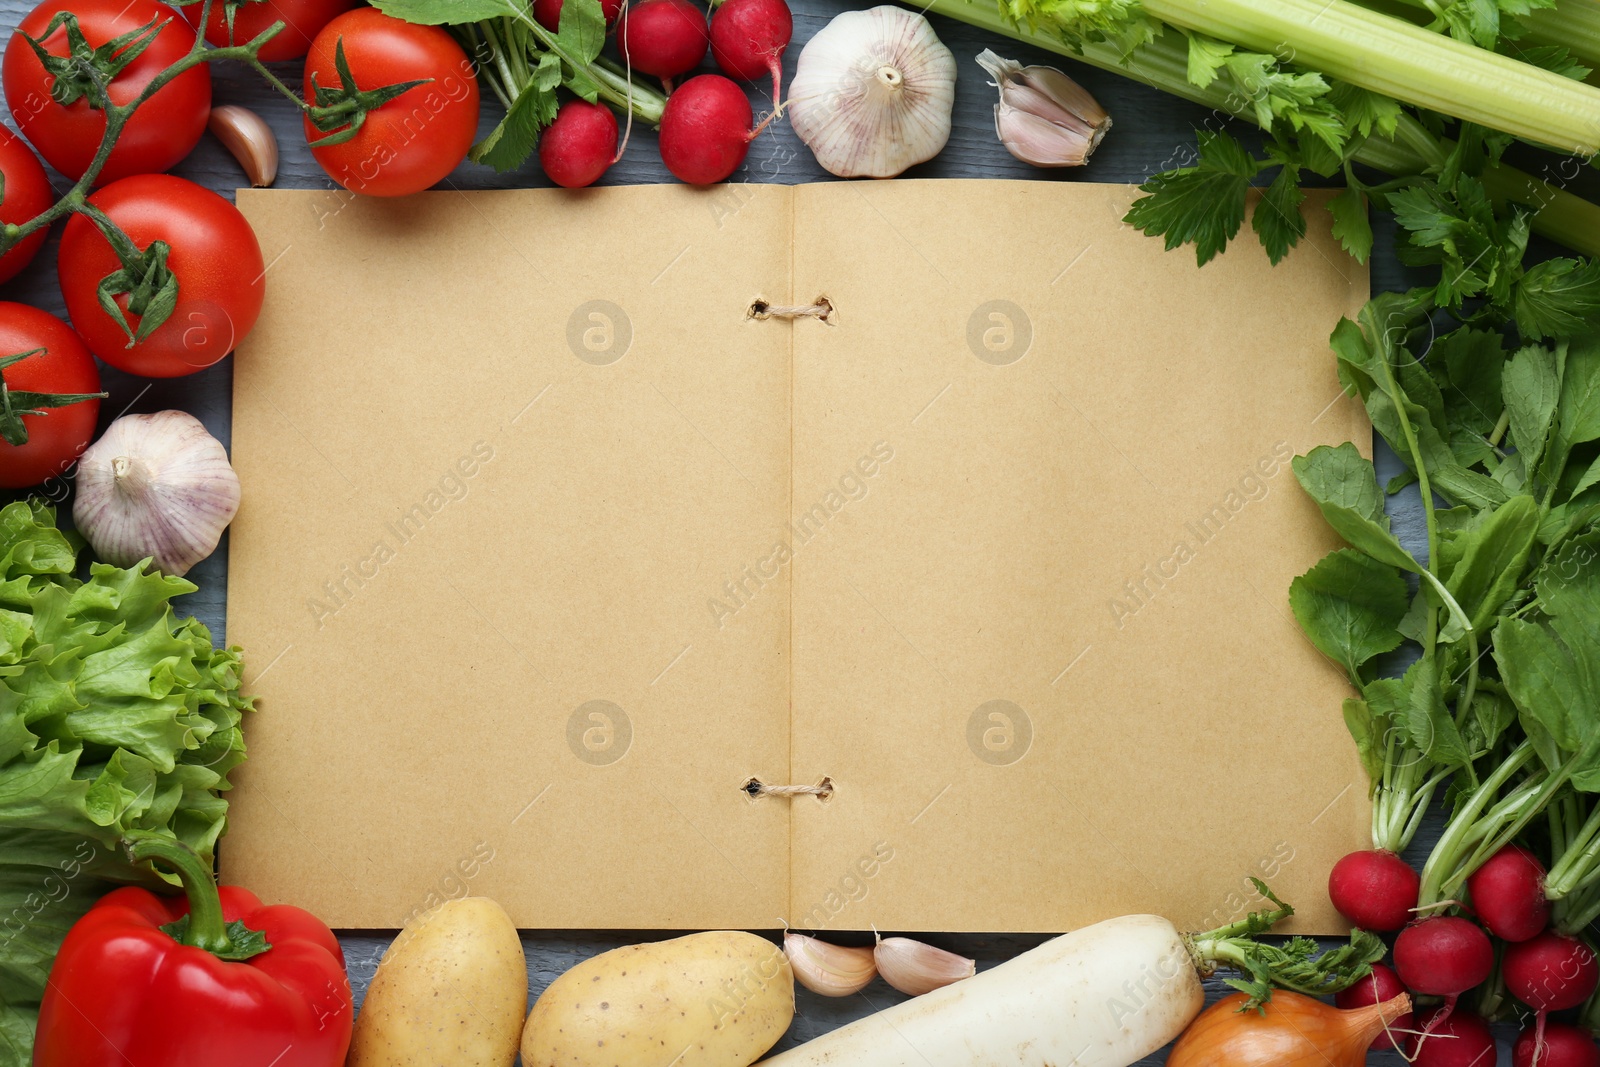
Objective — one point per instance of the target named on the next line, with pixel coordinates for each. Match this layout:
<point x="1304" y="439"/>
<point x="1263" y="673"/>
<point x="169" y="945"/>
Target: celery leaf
<point x="1274" y="93"/>
<point x="1206" y="58"/>
<point x="1080" y="22"/>
<point x="1203" y="204"/>
<point x="1365" y="111"/>
<point x="1277" y="220"/>
<point x="1554" y="58"/>
<point x="1558" y="298"/>
<point x="1350" y="223"/>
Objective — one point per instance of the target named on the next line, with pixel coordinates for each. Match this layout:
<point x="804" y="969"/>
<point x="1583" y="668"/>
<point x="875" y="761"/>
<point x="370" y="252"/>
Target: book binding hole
<point x="756" y="789"/>
<point x="820" y="309"/>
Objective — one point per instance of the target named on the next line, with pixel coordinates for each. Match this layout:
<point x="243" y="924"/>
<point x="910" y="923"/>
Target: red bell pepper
<point x="209" y="979"/>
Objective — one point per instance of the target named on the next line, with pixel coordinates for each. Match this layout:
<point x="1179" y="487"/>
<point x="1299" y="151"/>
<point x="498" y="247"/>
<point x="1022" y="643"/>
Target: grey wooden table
<point x="1151" y="131"/>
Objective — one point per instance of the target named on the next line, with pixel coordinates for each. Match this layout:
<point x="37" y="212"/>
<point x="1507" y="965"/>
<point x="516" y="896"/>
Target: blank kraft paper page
<point x="499" y="449"/>
<point x="1045" y="652"/>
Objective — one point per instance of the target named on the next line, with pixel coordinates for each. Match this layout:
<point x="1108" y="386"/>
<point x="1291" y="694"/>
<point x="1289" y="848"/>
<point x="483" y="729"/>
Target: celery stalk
<point x="1411" y="64"/>
<point x="1163" y="64"/>
<point x="1571" y="24"/>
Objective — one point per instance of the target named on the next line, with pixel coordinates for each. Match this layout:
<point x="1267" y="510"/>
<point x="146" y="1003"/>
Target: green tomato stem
<point x="276" y="83"/>
<point x="117" y="116"/>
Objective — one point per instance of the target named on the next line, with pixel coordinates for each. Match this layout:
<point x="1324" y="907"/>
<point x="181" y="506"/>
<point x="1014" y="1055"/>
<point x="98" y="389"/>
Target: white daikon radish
<point x="1103" y="996"/>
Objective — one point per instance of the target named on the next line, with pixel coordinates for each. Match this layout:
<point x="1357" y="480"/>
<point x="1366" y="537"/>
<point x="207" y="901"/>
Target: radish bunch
<point x="1375" y="890"/>
<point x="1438" y="953"/>
<point x="665" y="38"/>
<point x="579" y="145"/>
<point x="1564" y="1045"/>
<point x="706" y="126"/>
<point x="748" y="38"/>
<point x="706" y="130"/>
<point x="1453" y="1039"/>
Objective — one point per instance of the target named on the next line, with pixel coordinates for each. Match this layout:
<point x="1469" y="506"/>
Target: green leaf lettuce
<point x="115" y="715"/>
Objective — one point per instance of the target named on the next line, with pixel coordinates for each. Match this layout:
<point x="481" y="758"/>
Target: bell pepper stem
<point x="206" y="929"/>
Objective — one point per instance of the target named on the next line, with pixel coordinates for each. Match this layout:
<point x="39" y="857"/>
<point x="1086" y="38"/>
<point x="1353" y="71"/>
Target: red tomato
<point x="417" y="138"/>
<point x="302" y="20"/>
<point x="164" y="129"/>
<point x="214" y="256"/>
<point x="59" y="436"/>
<point x="27" y="193"/>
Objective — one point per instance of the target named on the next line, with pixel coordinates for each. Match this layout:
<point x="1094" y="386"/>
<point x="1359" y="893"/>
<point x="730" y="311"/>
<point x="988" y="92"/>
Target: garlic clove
<point x="832" y="970"/>
<point x="1038" y="141"/>
<point x="1070" y="97"/>
<point x="915" y="968"/>
<point x="249" y="138"/>
<point x="1035" y="104"/>
<point x="1044" y="117"/>
<point x="873" y="92"/>
<point x="155" y="486"/>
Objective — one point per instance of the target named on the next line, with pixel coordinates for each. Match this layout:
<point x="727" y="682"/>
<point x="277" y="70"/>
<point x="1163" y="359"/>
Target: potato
<point x="448" y="993"/>
<point x="718" y="999"/>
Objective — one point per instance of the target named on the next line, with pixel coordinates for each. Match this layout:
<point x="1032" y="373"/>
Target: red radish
<point x="547" y="13"/>
<point x="663" y="37"/>
<point x="704" y="134"/>
<point x="1375" y="890"/>
<point x="748" y="38"/>
<point x="1565" y="1045"/>
<point x="1550" y="972"/>
<point x="1381" y="985"/>
<point x="1454" y="1040"/>
<point x="579" y="145"/>
<point x="1443" y="956"/>
<point x="1508" y="894"/>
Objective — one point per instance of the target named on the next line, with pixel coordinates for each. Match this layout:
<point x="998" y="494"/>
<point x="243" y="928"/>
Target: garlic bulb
<point x="1044" y="117"/>
<point x="832" y="970"/>
<point x="915" y="968"/>
<point x="872" y="93"/>
<point x="155" y="486"/>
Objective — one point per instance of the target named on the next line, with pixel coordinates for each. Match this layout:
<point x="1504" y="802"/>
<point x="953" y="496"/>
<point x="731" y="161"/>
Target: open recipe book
<point x="557" y="564"/>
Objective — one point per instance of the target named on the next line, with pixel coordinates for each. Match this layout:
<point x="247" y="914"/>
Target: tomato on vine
<point x="130" y="43"/>
<point x="49" y="396"/>
<point x="302" y="21"/>
<point x="395" y="105"/>
<point x="179" y="288"/>
<point x="26" y="193"/>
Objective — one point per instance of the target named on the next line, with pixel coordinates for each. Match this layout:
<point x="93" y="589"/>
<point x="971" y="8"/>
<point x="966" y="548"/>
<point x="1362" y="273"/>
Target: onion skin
<point x="1381" y="985"/>
<point x="1293" y="1031"/>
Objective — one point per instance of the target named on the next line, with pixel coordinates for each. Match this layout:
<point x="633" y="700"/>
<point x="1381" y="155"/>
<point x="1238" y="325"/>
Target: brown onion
<point x="1291" y="1031"/>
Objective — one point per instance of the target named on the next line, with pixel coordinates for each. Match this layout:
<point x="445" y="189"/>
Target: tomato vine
<point x="86" y="73"/>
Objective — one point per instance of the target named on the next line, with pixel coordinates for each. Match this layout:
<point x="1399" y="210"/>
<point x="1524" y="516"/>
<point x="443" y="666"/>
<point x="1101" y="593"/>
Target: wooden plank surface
<point x="1152" y="132"/>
